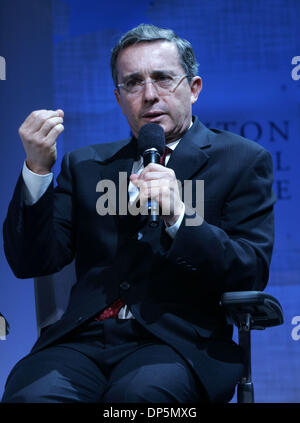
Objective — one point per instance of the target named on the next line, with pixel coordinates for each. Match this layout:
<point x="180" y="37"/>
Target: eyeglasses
<point x="164" y="84"/>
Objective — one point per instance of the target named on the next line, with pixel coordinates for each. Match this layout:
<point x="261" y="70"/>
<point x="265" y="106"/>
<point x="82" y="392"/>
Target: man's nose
<point x="150" y="91"/>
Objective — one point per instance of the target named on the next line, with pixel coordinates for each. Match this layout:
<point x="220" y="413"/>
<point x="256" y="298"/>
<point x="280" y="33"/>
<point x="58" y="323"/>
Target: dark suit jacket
<point x="172" y="287"/>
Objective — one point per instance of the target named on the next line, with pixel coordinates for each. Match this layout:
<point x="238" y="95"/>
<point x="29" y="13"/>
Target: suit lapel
<point x="190" y="154"/>
<point x="117" y="167"/>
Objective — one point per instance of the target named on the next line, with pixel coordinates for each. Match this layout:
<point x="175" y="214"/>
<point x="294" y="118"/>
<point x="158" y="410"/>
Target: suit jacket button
<point x="125" y="285"/>
<point x="79" y="319"/>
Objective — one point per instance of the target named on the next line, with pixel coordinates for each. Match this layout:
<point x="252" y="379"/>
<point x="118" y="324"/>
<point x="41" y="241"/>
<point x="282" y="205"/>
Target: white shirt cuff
<point x="172" y="230"/>
<point x="35" y="185"/>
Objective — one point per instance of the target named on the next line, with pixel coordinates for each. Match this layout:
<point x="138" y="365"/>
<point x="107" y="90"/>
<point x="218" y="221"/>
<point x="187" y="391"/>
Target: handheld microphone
<point x="151" y="146"/>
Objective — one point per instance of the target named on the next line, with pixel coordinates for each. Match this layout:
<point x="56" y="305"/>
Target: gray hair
<point x="150" y="33"/>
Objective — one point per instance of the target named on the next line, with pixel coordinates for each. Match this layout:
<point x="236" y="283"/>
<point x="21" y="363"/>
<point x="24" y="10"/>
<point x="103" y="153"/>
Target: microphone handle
<point x="152" y="156"/>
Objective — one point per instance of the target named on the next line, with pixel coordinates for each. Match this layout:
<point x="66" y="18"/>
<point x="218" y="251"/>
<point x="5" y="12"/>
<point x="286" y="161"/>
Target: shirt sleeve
<point x="172" y="230"/>
<point x="35" y="185"/>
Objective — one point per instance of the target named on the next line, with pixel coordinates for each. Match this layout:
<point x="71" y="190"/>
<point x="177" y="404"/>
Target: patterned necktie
<point x="111" y="311"/>
<point x="163" y="157"/>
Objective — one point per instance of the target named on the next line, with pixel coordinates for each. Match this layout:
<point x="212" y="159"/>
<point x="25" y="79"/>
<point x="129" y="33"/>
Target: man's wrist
<point x="35" y="184"/>
<point x="172" y="229"/>
<point x="36" y="169"/>
<point x="171" y="220"/>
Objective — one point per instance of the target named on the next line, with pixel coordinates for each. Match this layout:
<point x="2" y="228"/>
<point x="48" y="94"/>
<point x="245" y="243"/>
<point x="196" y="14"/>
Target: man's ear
<point x="118" y="98"/>
<point x="117" y="95"/>
<point x="196" y="87"/>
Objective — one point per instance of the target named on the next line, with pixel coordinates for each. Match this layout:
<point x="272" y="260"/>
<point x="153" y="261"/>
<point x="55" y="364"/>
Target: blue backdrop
<point x="57" y="56"/>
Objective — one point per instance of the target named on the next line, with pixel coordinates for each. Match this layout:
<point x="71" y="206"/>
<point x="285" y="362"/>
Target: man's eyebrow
<point x="132" y="75"/>
<point x="153" y="72"/>
<point x="163" y="71"/>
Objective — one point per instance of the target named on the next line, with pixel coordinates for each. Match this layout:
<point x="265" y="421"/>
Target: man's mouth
<point x="153" y="115"/>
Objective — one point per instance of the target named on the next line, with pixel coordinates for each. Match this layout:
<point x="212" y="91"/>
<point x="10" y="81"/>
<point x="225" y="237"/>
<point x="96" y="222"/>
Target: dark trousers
<point x="110" y="361"/>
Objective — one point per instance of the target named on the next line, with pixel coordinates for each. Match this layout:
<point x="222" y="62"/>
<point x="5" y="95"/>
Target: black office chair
<point x="247" y="310"/>
<point x="250" y="310"/>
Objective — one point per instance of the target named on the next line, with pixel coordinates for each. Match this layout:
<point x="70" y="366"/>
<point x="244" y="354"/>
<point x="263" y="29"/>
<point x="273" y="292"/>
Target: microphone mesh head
<point x="151" y="135"/>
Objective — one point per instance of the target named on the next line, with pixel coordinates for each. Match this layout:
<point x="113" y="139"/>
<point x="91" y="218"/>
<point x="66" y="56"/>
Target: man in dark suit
<point x="143" y="321"/>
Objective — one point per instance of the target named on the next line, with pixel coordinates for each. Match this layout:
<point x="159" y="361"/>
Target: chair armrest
<point x="263" y="309"/>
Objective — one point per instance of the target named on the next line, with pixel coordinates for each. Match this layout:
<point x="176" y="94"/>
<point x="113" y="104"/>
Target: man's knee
<point x="18" y="389"/>
<point x="167" y="383"/>
<point x="55" y="375"/>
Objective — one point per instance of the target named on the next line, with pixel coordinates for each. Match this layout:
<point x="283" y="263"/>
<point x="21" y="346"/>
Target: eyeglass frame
<point x="153" y="81"/>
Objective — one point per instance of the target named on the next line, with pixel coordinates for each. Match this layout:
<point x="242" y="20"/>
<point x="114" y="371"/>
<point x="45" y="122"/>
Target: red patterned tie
<point x="111" y="311"/>
<point x="163" y="157"/>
